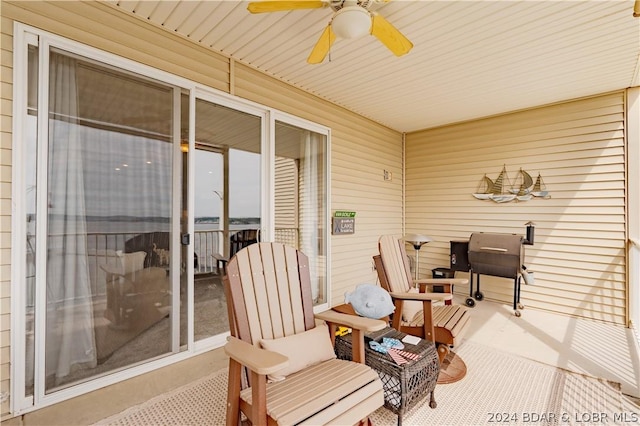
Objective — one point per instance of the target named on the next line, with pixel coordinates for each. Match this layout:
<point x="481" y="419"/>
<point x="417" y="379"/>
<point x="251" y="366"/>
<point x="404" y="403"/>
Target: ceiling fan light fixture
<point x="351" y="22"/>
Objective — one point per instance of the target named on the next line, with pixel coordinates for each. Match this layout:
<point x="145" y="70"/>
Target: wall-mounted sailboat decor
<point x="502" y="190"/>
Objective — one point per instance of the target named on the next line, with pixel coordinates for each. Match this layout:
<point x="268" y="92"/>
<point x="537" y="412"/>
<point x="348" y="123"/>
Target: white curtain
<point x="70" y="336"/>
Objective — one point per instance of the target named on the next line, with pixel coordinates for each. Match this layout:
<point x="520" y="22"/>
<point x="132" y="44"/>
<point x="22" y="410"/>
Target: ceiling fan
<point x="351" y="19"/>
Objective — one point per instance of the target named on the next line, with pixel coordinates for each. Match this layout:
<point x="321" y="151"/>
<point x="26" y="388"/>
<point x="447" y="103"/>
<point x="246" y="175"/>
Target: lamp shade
<point x="417" y="240"/>
<point x="351" y="22"/>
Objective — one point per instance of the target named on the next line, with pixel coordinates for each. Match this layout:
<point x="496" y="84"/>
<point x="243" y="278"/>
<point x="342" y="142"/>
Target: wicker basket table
<point x="404" y="385"/>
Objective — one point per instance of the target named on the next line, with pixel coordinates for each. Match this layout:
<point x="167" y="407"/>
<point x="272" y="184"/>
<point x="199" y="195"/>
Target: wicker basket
<point x="404" y="385"/>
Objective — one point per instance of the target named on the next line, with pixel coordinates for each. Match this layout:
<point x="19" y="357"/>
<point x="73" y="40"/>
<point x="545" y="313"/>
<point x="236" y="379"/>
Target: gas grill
<point x="498" y="255"/>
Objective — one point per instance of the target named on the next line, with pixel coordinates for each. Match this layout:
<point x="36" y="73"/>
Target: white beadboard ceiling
<point x="471" y="59"/>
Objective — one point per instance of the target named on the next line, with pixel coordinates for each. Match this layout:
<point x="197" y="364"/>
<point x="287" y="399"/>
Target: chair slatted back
<point x="396" y="264"/>
<point x="268" y="290"/>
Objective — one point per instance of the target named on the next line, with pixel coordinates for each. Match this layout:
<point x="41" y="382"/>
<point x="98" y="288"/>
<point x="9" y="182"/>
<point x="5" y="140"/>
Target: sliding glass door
<point x="101" y="289"/>
<point x="134" y="190"/>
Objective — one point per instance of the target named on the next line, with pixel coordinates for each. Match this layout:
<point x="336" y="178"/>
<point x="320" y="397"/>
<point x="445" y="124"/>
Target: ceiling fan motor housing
<point x="351" y="22"/>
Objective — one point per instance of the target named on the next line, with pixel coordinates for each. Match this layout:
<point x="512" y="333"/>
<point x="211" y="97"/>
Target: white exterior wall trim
<point x="18" y="261"/>
<point x="633" y="203"/>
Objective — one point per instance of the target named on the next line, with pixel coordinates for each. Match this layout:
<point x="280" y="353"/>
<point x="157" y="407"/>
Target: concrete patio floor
<point x="579" y="345"/>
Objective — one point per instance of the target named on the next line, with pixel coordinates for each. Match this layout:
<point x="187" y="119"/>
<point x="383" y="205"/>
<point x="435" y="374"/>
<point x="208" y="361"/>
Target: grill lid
<point x="500" y="255"/>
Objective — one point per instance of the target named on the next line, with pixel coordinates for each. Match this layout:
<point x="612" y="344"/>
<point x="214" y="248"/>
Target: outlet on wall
<point x="388" y="175"/>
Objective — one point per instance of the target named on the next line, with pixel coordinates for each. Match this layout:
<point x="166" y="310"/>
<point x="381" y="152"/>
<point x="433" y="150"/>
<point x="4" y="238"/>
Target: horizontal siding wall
<point x="6" y="88"/>
<point x="360" y="152"/>
<point x="578" y="258"/>
<point x="286" y="193"/>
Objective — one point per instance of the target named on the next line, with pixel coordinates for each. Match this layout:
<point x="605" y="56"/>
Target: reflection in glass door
<point x="208" y="248"/>
<point x="301" y="198"/>
<point x="227" y="204"/>
<point x="101" y="297"/>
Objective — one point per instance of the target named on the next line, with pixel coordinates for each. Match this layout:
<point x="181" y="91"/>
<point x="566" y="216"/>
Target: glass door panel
<point x="30" y="176"/>
<point x="226" y="204"/>
<point x="210" y="312"/>
<point x="109" y="197"/>
<point x="301" y="198"/>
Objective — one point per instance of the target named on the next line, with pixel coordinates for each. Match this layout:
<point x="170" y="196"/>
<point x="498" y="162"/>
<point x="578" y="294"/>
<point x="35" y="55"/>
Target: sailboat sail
<point x="483" y="192"/>
<point x="498" y="193"/>
<point x="539" y="188"/>
<point x="523" y="189"/>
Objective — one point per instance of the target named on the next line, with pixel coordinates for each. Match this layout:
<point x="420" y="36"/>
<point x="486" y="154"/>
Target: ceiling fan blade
<point x="279" y="6"/>
<point x="390" y="36"/>
<point x="322" y="47"/>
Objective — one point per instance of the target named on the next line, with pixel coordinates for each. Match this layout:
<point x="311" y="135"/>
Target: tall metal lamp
<point x="417" y="240"/>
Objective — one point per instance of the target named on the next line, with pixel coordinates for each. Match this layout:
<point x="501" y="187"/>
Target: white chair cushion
<point x="303" y="350"/>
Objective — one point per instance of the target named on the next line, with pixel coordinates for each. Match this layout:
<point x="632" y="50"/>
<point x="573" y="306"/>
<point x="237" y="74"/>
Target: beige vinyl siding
<point x="6" y="105"/>
<point x="360" y="148"/>
<point x="360" y="152"/>
<point x="578" y="259"/>
<point x="286" y="201"/>
<point x="93" y="23"/>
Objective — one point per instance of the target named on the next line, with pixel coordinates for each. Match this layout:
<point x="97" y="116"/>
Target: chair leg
<point x="357" y="341"/>
<point x="443" y="351"/>
<point x="233" y="393"/>
<point x="258" y="399"/>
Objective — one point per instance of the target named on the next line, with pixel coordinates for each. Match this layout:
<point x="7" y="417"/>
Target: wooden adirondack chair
<point x="443" y="324"/>
<point x="269" y="304"/>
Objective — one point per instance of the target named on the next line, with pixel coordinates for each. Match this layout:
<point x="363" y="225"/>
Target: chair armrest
<point x="445" y="283"/>
<point x="442" y="281"/>
<point x="352" y="321"/>
<point x="258" y="360"/>
<point x="422" y="296"/>
<point x="359" y="325"/>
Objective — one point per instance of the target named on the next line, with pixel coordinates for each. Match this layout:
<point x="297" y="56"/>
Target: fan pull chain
<point x="330" y="46"/>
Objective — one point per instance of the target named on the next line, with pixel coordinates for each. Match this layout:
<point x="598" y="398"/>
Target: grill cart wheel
<point x="470" y="302"/>
<point x="478" y="295"/>
<point x="517" y="313"/>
